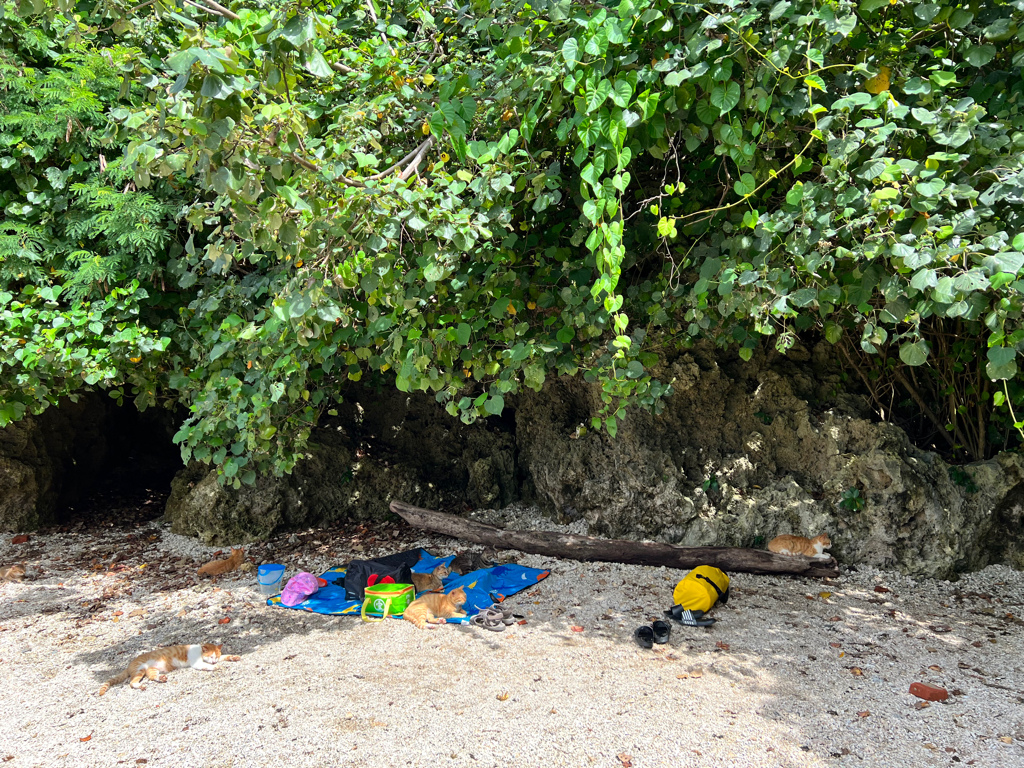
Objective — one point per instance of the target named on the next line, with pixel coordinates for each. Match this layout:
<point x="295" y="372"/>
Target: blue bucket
<point x="269" y="576"/>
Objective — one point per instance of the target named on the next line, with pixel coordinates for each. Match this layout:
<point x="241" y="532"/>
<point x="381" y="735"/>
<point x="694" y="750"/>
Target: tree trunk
<point x="574" y="547"/>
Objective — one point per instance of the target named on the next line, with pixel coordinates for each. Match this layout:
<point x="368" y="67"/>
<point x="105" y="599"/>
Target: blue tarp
<point x="483" y="587"/>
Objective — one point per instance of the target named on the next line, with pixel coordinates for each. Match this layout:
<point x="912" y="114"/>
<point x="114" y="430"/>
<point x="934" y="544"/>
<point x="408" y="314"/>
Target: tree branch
<point x="222" y="10"/>
<point x="430" y="60"/>
<point x="413" y="159"/>
<point x="592" y="548"/>
<point x="928" y="412"/>
<point x="304" y="163"/>
<point x="373" y="15"/>
<point x="423" y="147"/>
<point x="414" y="164"/>
<point x="217" y="10"/>
<point x="864" y="378"/>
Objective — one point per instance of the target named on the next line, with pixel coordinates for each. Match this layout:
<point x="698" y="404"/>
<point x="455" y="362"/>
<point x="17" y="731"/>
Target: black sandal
<point x="688" y="618"/>
<point x="644" y="636"/>
<point x="661" y="630"/>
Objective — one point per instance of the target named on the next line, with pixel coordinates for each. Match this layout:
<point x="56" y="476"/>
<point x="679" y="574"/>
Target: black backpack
<point x="397" y="566"/>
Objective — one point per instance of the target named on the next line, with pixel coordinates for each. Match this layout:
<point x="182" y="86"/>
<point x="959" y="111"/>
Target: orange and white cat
<point x="220" y="567"/>
<point x="435" y="607"/>
<point x="432" y="580"/>
<point x="14" y="573"/>
<point x="155" y="664"/>
<point x="787" y="544"/>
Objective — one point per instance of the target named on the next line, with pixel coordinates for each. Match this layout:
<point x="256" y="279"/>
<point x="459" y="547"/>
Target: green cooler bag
<point x="386" y="599"/>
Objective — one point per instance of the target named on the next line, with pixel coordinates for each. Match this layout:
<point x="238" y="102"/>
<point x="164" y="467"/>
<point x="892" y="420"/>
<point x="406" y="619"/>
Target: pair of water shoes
<point x="647" y="636"/>
<point x="659" y="631"/>
<point x="495" y="618"/>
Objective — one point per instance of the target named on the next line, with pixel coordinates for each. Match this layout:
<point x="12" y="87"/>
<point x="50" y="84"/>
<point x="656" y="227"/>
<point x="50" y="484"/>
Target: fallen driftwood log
<point x="573" y="547"/>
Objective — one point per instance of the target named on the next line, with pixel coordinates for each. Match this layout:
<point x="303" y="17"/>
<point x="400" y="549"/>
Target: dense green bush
<point x="272" y="201"/>
<point x="78" y="239"/>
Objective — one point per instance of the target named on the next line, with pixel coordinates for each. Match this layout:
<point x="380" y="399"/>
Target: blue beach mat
<point x="483" y="587"/>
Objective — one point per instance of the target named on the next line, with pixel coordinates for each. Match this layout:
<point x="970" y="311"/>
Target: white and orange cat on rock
<point x="155" y="664"/>
<point x="787" y="544"/>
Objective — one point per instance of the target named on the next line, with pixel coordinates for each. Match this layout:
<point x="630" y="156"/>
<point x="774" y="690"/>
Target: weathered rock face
<point x="47" y="461"/>
<point x="199" y="506"/>
<point x="380" y="447"/>
<point x="740" y="455"/>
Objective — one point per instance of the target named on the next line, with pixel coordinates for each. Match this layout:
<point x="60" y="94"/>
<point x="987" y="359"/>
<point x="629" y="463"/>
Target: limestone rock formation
<point x="741" y="452"/>
<point x="380" y="447"/>
<point x="740" y="455"/>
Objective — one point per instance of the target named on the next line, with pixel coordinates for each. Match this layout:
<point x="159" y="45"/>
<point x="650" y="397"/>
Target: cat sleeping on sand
<point x="14" y="573"/>
<point x="787" y="544"/>
<point x="220" y="567"/>
<point x="155" y="664"/>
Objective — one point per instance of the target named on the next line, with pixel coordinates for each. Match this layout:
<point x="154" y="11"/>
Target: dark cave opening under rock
<point x="134" y="481"/>
<point x="380" y="446"/>
<point x="87" y="463"/>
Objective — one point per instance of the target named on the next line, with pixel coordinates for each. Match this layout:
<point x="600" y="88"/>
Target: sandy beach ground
<point x="796" y="672"/>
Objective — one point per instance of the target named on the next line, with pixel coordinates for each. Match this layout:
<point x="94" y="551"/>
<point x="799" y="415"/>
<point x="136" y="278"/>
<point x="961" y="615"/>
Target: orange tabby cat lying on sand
<point x="155" y="664"/>
<point x="14" y="573"/>
<point x="435" y="607"/>
<point x="787" y="544"/>
<point x="220" y="567"/>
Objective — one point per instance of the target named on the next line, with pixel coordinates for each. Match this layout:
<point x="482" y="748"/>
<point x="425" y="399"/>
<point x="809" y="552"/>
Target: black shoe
<point x="661" y="630"/>
<point x="644" y="636"/>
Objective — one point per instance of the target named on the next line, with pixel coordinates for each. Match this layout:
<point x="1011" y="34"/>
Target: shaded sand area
<point x="795" y="673"/>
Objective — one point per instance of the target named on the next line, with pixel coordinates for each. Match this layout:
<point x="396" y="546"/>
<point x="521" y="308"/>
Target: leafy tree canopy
<point x="240" y="209"/>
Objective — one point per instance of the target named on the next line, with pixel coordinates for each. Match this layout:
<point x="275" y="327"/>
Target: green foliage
<point x="97" y="343"/>
<point x="851" y="500"/>
<point x="65" y="222"/>
<point x="77" y="239"/>
<point x="472" y="199"/>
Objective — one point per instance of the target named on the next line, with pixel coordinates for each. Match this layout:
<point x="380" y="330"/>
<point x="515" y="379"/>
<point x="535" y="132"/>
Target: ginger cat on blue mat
<point x="430" y="581"/>
<point x="435" y="608"/>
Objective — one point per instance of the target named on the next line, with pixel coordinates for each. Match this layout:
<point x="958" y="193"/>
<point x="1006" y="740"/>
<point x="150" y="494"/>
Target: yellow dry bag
<point x="701" y="588"/>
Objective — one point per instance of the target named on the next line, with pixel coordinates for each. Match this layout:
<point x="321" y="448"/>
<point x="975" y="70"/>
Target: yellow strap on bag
<point x="701" y="588"/>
